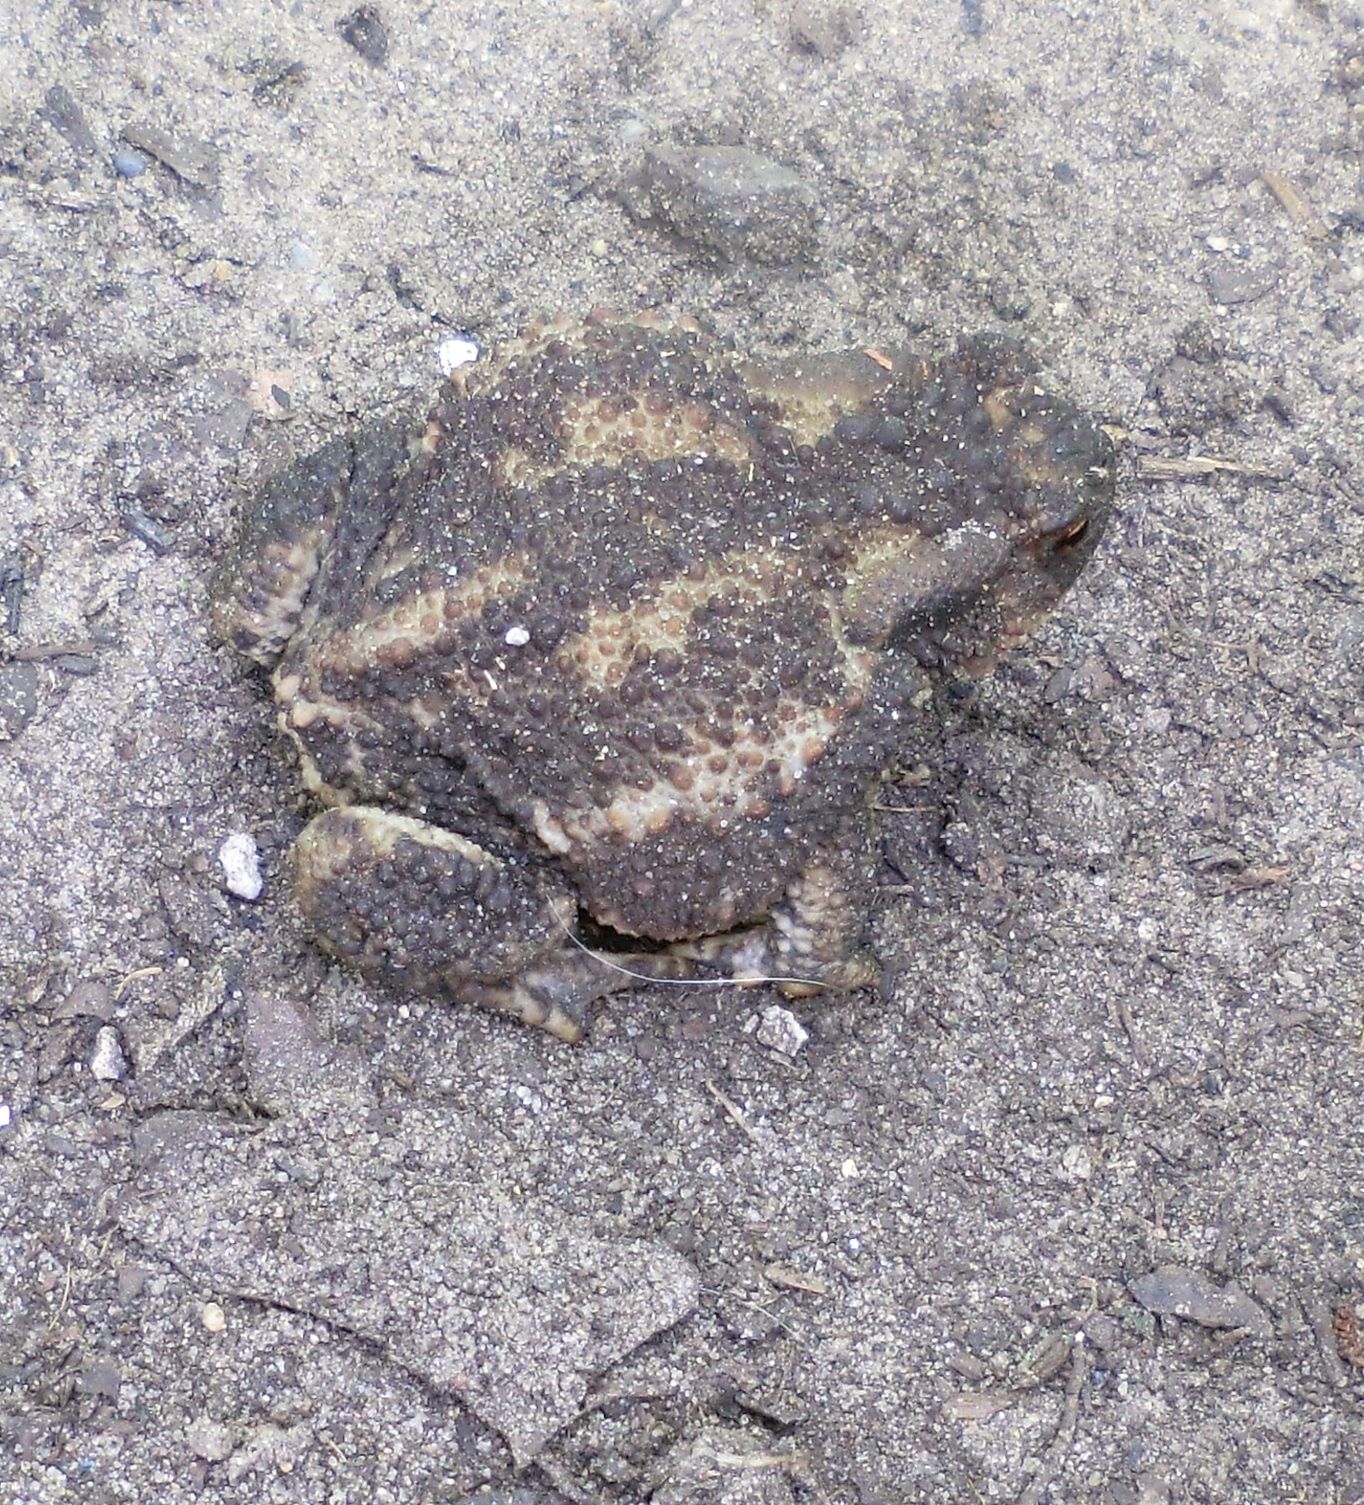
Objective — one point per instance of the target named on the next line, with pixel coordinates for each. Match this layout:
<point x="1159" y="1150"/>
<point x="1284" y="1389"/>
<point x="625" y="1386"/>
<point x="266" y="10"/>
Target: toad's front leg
<point x="311" y="530"/>
<point x="423" y="910"/>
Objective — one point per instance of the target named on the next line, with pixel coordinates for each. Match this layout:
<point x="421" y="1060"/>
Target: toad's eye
<point x="1061" y="543"/>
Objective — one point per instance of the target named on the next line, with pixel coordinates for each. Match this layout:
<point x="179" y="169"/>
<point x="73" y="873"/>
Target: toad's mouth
<point x="996" y="576"/>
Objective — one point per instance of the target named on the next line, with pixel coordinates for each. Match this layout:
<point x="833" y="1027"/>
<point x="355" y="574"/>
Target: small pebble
<point x="1230" y="284"/>
<point x="240" y="859"/>
<point x="730" y="201"/>
<point x="302" y="257"/>
<point x="131" y="1281"/>
<point x="129" y="164"/>
<point x="779" y="1029"/>
<point x="107" y="1061"/>
<point x="6" y="1115"/>
<point x="213" y="1317"/>
<point x="1076" y="1163"/>
<point x="516" y="637"/>
<point x="19" y="685"/>
<point x="210" y="1440"/>
<point x="364" y="29"/>
<point x="456" y="350"/>
<point x="89" y="998"/>
<point x="99" y="1378"/>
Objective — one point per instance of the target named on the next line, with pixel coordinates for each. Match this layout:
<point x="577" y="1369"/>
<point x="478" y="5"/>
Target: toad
<point x="593" y="673"/>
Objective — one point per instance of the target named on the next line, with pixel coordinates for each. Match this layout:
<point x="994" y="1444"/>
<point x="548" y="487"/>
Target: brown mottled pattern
<point x="656" y="615"/>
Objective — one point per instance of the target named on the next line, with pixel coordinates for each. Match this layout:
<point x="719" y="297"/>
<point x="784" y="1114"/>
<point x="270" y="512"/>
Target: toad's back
<point x="640" y="605"/>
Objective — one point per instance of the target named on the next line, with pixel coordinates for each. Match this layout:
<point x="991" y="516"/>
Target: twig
<point x="1124" y="1014"/>
<point x="733" y="1110"/>
<point x="1065" y="1431"/>
<point x="1294" y="205"/>
<point x="1199" y="468"/>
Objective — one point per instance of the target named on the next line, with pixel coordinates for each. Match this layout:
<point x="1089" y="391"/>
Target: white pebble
<point x="456" y="350"/>
<point x="210" y="1440"/>
<point x="240" y="860"/>
<point x="1076" y="1163"/>
<point x="516" y="637"/>
<point x="779" y="1029"/>
<point x="107" y="1061"/>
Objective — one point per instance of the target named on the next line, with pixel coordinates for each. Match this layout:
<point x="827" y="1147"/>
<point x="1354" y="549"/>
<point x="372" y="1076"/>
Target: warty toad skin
<point x="621" y="639"/>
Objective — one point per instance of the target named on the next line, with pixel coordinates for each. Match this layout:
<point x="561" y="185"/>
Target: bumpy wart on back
<point x="625" y="633"/>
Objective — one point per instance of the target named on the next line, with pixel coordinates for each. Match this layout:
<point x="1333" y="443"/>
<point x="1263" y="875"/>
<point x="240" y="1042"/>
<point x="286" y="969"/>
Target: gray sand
<point x="1070" y="1213"/>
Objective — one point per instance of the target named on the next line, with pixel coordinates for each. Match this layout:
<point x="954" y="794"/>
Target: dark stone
<point x="365" y="31"/>
<point x="728" y="200"/>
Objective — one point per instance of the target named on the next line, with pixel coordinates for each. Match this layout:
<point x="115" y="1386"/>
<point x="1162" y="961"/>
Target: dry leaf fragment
<point x="977" y="1405"/>
<point x="795" y="1280"/>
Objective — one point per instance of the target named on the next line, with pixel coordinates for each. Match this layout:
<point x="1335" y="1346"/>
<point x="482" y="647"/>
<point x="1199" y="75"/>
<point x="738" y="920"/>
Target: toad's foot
<point x="811" y="943"/>
<point x="423" y="910"/>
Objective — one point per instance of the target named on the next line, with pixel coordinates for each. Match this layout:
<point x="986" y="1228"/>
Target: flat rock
<point x="1174" y="1291"/>
<point x="18" y="698"/>
<point x="514" y="1308"/>
<point x="728" y="200"/>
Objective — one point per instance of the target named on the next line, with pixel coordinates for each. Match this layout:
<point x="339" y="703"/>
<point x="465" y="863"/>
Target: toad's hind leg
<point x="423" y="910"/>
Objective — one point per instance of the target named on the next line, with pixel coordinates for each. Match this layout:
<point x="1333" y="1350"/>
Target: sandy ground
<point x="1117" y="1066"/>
